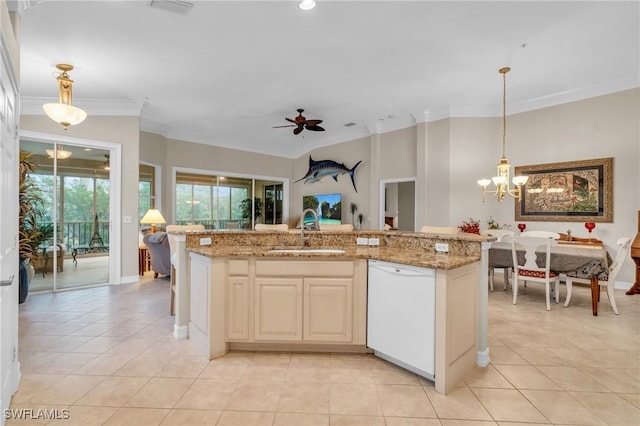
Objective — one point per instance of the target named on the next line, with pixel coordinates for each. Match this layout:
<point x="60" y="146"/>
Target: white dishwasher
<point x="401" y="315"/>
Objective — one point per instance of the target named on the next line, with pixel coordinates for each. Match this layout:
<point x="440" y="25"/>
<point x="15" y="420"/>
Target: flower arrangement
<point x="471" y="227"/>
<point x="493" y="224"/>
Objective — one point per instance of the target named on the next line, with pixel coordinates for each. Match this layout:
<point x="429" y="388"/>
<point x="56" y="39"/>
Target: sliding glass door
<point x="73" y="183"/>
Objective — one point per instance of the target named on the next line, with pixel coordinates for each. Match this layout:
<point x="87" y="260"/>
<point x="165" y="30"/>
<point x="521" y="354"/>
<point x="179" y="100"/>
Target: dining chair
<point x="605" y="279"/>
<point x="173" y="257"/>
<point x="499" y="234"/>
<point x="541" y="234"/>
<point x="529" y="270"/>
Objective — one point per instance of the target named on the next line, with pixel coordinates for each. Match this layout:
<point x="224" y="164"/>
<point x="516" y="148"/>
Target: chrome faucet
<point x="315" y="221"/>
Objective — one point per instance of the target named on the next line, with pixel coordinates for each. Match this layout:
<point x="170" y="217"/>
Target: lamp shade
<point x="152" y="217"/>
<point x="59" y="153"/>
<point x="67" y="115"/>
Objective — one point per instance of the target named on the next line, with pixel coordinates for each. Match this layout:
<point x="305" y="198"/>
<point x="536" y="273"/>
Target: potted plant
<point x="247" y="205"/>
<point x="354" y="208"/>
<point x="30" y="234"/>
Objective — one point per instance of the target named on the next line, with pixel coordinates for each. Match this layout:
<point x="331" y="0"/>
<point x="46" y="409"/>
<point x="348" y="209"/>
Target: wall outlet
<point x="205" y="241"/>
<point x="442" y="247"/>
<point x="374" y="241"/>
<point x="126" y="219"/>
<point x="362" y="241"/>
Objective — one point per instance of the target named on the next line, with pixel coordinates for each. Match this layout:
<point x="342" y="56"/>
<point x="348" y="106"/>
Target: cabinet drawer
<point x="239" y="267"/>
<point x="302" y="268"/>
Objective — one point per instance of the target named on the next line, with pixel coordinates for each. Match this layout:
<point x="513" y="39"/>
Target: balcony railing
<point x="80" y="233"/>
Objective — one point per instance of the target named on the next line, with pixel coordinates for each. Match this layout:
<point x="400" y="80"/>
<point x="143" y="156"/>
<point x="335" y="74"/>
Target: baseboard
<point x="622" y="285"/>
<point x="129" y="279"/>
<point x="180" y="331"/>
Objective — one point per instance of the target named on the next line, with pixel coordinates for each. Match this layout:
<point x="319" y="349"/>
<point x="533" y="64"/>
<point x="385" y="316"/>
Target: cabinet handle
<point x="8" y="282"/>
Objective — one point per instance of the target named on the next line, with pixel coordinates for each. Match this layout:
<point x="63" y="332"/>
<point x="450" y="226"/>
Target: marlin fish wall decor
<point x="319" y="169"/>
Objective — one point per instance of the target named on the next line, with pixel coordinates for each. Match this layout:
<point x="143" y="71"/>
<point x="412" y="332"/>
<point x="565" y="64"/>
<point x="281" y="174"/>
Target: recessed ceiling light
<point x="175" y="6"/>
<point x="307" y="4"/>
<point x="87" y="149"/>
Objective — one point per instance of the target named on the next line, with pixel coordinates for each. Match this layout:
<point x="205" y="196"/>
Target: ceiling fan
<point x="300" y="123"/>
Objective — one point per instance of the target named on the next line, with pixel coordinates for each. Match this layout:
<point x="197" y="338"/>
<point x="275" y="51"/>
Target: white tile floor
<point x="107" y="356"/>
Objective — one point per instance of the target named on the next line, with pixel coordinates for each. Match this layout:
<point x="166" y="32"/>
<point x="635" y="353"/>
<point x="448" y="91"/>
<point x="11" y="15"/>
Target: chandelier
<point x="63" y="112"/>
<point x="501" y="180"/>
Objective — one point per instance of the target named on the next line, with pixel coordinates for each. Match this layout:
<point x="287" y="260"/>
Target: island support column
<point x="181" y="325"/>
<point x="483" y="307"/>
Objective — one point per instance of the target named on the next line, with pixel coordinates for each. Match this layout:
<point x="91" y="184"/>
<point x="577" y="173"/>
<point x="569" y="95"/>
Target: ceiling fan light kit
<point x="301" y="122"/>
<point x="63" y="112"/>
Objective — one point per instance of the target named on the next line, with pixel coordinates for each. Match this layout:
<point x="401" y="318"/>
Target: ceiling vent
<point x="349" y="124"/>
<point x="175" y="6"/>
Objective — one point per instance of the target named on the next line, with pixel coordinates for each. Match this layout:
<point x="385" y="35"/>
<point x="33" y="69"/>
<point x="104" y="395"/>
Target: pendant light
<point x="63" y="112"/>
<point x="501" y="181"/>
<point x="59" y="153"/>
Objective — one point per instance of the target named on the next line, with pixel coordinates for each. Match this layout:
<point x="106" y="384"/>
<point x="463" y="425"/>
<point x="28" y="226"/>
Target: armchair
<point x="159" y="253"/>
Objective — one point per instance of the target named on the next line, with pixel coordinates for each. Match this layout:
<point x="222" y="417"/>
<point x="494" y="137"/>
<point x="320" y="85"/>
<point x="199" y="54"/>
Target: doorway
<point x="398" y="204"/>
<point x="74" y="182"/>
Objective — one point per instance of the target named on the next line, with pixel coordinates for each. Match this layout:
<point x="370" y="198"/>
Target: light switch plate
<point x="362" y="241"/>
<point x="205" y="241"/>
<point x="126" y="219"/>
<point x="442" y="247"/>
<point x="374" y="241"/>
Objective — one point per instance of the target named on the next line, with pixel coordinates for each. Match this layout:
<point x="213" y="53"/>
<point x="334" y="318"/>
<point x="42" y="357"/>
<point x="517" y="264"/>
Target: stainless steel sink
<point x="308" y="250"/>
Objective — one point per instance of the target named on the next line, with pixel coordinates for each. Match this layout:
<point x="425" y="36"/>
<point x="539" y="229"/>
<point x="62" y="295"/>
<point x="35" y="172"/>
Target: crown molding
<point x="32" y="105"/>
<point x="154" y="127"/>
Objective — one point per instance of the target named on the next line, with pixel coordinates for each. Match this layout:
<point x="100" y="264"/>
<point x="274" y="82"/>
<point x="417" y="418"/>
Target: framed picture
<point x="574" y="191"/>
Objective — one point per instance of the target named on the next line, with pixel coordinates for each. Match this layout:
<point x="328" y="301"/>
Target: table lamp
<point x="152" y="217"/>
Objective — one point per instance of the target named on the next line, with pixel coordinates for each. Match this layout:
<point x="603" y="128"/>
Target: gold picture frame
<point x="573" y="191"/>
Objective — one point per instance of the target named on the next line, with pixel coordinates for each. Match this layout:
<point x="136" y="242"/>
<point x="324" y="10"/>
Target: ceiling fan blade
<point x="297" y="130"/>
<point x="288" y="119"/>
<point x="312" y="122"/>
<point x="315" y="128"/>
<point x="288" y="125"/>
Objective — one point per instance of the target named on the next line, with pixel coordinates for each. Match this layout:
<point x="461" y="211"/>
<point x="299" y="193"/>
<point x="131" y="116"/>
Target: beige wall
<point x="119" y="130"/>
<point x="604" y="126"/>
<point x="348" y="153"/>
<point x="448" y="156"/>
<point x="171" y="153"/>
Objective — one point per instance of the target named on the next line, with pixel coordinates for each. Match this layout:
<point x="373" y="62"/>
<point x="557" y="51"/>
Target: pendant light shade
<point x="63" y="112"/>
<point x="59" y="153"/>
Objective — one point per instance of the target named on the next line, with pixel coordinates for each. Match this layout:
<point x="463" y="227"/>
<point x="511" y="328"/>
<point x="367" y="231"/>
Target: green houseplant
<point x="247" y="206"/>
<point x="30" y="233"/>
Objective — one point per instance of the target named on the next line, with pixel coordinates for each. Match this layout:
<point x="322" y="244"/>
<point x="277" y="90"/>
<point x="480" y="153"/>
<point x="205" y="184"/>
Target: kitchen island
<point x="246" y="290"/>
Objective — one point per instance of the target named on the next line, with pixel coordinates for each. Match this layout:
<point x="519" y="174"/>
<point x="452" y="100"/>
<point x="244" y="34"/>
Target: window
<point x="218" y="202"/>
<point x="146" y="189"/>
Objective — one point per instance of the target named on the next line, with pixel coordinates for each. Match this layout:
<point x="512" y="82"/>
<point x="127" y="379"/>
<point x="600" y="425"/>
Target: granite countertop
<point x="387" y="254"/>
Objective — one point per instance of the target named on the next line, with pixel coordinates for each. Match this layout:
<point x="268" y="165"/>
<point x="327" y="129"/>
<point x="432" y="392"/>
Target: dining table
<point x="579" y="260"/>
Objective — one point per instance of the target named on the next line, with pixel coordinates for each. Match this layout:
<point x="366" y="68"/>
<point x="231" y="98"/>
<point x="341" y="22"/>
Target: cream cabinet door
<point x="238" y="308"/>
<point x="278" y="309"/>
<point x="328" y="309"/>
